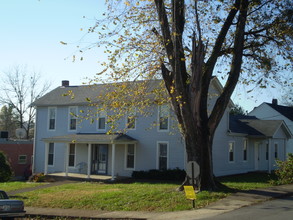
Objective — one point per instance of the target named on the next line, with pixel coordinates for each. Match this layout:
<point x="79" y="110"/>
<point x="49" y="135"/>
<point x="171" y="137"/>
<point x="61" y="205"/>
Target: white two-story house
<point x="66" y="144"/>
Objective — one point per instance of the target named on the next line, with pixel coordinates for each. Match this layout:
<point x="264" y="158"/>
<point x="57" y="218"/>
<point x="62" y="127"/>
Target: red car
<point x="9" y="208"/>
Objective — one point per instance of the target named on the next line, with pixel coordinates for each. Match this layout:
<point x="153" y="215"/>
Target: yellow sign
<point x="189" y="192"/>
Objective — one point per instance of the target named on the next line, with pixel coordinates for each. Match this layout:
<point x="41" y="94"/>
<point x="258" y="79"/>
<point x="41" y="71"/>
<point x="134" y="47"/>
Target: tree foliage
<point x="19" y="89"/>
<point x="5" y="169"/>
<point x="185" y="43"/>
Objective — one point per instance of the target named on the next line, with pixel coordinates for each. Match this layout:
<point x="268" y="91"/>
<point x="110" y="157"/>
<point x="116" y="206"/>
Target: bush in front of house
<point x="170" y="174"/>
<point x="5" y="169"/>
<point x="37" y="178"/>
<point x="285" y="170"/>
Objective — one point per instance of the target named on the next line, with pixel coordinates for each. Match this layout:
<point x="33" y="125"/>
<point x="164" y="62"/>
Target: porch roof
<point x="91" y="138"/>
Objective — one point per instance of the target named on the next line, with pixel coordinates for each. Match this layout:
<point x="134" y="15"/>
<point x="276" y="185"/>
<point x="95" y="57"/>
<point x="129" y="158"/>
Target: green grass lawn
<point x="136" y="196"/>
<point x="10" y="186"/>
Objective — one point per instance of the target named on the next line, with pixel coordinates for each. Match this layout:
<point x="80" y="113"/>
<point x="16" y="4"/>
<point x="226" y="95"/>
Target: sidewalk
<point x="232" y="202"/>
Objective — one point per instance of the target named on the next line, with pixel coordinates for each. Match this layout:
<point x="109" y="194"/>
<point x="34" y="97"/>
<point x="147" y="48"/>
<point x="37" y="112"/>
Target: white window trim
<point x="158" y="119"/>
<point x="135" y="119"/>
<point x="74" y="156"/>
<point x="158" y="153"/>
<point x="102" y="114"/>
<point x="245" y="140"/>
<point x="25" y="160"/>
<point x="51" y="165"/>
<point x="125" y="158"/>
<point x="69" y="114"/>
<point x="233" y="161"/>
<point x="48" y="126"/>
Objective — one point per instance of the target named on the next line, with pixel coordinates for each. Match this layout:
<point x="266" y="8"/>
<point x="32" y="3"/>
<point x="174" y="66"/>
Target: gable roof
<point x="284" y="110"/>
<point x="84" y="94"/>
<point x="252" y="126"/>
<point x="236" y="125"/>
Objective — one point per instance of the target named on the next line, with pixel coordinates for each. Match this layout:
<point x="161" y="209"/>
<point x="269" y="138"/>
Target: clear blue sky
<point x="31" y="31"/>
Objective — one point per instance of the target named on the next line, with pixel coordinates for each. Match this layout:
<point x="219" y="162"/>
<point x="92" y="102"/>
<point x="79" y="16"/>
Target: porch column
<point x="66" y="158"/>
<point x="113" y="161"/>
<point x="46" y="158"/>
<point x="89" y="156"/>
<point x="270" y="155"/>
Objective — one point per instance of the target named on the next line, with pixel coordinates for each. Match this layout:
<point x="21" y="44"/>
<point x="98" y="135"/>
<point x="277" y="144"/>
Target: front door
<point x="99" y="158"/>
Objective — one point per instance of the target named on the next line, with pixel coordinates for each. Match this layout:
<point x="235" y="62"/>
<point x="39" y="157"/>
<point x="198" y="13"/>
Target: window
<point x="131" y="119"/>
<point x="102" y="121"/>
<point x="71" y="161"/>
<point x="276" y="151"/>
<point x="164" y="117"/>
<point x="130" y="156"/>
<point x="162" y="156"/>
<point x="267" y="151"/>
<point x="22" y="159"/>
<point x="245" y="150"/>
<point x="72" y="118"/>
<point x="52" y="118"/>
<point x="51" y="154"/>
<point x="231" y="151"/>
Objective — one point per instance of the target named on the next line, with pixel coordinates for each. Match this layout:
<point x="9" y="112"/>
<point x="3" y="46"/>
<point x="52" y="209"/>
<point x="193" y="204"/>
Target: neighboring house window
<point x="130" y="156"/>
<point x="276" y="151"/>
<point x="72" y="118"/>
<point x="102" y="121"/>
<point x="267" y="151"/>
<point x="52" y="118"/>
<point x="131" y="119"/>
<point x="162" y="156"/>
<point x="71" y="161"/>
<point x="164" y="117"/>
<point x="22" y="159"/>
<point x="231" y="151"/>
<point x="245" y="150"/>
<point x="51" y="154"/>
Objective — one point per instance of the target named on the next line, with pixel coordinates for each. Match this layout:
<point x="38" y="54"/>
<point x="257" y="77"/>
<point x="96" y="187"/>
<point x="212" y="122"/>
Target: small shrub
<point x="39" y="177"/>
<point x="171" y="174"/>
<point x="5" y="169"/>
<point x="285" y="170"/>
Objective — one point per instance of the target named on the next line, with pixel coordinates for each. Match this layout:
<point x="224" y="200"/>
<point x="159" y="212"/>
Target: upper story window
<point x="131" y="119"/>
<point x="101" y="123"/>
<point x="231" y="151"/>
<point x="72" y="117"/>
<point x="164" y="112"/>
<point x="245" y="150"/>
<point x="52" y="118"/>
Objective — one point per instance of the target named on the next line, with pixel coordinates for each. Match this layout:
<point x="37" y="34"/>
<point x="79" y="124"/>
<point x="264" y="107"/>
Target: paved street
<point x="281" y="208"/>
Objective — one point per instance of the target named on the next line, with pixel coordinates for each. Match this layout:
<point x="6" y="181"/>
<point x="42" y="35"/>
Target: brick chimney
<point x="65" y="83"/>
<point x="275" y="101"/>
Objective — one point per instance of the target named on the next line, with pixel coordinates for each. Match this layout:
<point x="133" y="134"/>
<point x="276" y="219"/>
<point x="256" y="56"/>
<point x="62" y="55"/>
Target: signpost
<point x="192" y="170"/>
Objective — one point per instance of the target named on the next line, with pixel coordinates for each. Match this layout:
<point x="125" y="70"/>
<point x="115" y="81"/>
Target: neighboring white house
<point x="151" y="141"/>
<point x="273" y="111"/>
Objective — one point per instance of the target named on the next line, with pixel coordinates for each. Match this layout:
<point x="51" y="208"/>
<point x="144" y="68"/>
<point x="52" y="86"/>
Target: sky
<point x="31" y="32"/>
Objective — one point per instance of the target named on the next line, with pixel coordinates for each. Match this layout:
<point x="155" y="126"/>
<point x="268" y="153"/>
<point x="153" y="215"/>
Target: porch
<point x="86" y="156"/>
<point x="79" y="176"/>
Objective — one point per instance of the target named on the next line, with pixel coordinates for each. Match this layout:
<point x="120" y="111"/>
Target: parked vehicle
<point x="9" y="208"/>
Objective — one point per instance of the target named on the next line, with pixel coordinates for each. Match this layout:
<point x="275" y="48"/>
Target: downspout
<point x="34" y="144"/>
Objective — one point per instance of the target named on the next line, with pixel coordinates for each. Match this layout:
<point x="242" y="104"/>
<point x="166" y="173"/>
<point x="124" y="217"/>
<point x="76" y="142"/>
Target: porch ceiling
<point x="91" y="138"/>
